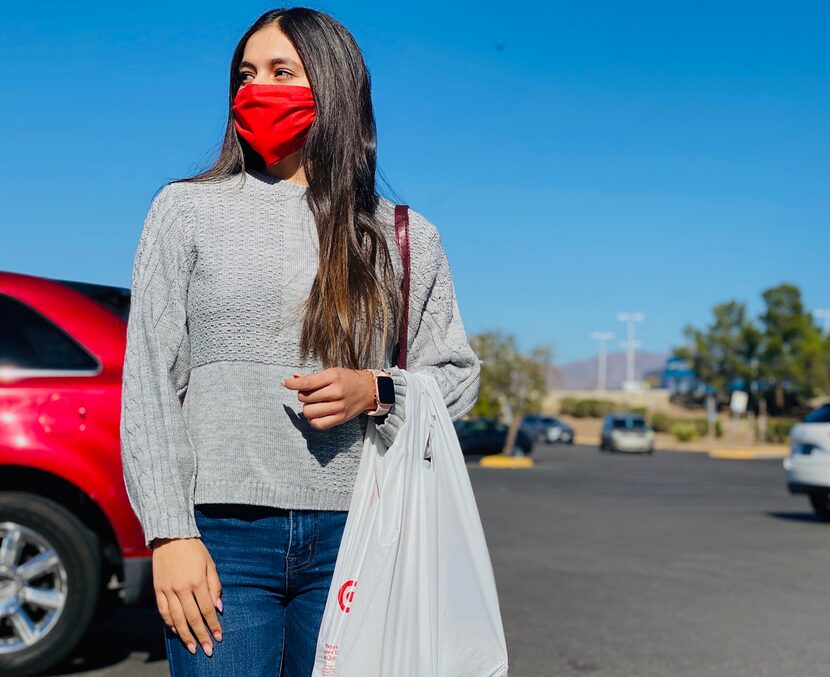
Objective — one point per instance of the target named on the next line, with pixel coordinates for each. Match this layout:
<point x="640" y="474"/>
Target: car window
<point x="629" y="423"/>
<point x="30" y="341"/>
<point x="820" y="415"/>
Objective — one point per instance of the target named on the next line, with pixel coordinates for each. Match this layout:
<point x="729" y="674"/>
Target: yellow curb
<point x="747" y="454"/>
<point x="504" y="461"/>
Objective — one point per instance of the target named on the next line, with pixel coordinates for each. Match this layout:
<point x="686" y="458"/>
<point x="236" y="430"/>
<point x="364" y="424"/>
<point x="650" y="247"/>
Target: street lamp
<point x="603" y="338"/>
<point x="631" y="345"/>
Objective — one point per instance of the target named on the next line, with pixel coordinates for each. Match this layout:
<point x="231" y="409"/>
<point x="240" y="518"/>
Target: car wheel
<point x="50" y="583"/>
<point x="821" y="504"/>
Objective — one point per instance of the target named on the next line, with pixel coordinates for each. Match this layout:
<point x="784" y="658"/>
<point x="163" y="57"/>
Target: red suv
<point x="70" y="543"/>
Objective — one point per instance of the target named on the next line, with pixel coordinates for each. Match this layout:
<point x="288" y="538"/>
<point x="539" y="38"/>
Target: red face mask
<point x="274" y="119"/>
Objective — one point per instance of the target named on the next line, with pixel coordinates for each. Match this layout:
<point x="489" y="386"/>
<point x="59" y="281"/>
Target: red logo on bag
<point x="346" y="594"/>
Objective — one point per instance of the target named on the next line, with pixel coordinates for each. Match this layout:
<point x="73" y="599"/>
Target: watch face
<point x="386" y="389"/>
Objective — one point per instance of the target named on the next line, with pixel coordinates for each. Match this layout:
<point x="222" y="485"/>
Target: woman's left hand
<point x="334" y="395"/>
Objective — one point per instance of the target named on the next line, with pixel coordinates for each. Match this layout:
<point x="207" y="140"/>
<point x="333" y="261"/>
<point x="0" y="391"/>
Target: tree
<point x="794" y="355"/>
<point x="784" y="359"/>
<point x="725" y="351"/>
<point x="508" y="376"/>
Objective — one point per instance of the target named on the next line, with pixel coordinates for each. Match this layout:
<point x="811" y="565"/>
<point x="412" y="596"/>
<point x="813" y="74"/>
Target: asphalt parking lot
<point x="624" y="566"/>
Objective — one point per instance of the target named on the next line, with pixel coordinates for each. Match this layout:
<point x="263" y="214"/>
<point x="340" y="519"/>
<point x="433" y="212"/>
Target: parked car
<point x="547" y="429"/>
<point x="485" y="436"/>
<point x="557" y="431"/>
<point x="626" y="432"/>
<point x="533" y="426"/>
<point x="71" y="547"/>
<point x="808" y="465"/>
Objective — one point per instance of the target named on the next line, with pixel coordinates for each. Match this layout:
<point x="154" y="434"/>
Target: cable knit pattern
<point x="218" y="281"/>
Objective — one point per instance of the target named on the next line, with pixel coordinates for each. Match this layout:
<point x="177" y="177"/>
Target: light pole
<point x="603" y="338"/>
<point x="824" y="314"/>
<point x="630" y="319"/>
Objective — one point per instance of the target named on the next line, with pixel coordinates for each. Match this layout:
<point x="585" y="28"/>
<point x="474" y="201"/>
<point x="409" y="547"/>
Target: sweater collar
<point x="274" y="183"/>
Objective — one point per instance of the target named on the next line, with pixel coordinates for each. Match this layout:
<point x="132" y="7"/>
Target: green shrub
<point x="566" y="406"/>
<point x="701" y="426"/>
<point x="583" y="409"/>
<point x="778" y="429"/>
<point x="592" y="408"/>
<point x="684" y="431"/>
<point x="642" y="411"/>
<point x="661" y="422"/>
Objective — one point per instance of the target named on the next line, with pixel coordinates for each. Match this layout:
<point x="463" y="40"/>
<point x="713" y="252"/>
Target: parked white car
<point x="626" y="432"/>
<point x="808" y="465"/>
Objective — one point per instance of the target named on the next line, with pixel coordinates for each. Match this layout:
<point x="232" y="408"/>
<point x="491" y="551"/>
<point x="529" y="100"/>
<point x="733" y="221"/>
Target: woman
<point x="267" y="290"/>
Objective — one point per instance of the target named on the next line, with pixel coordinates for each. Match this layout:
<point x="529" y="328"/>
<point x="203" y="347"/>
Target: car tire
<point x="821" y="504"/>
<point x="73" y="579"/>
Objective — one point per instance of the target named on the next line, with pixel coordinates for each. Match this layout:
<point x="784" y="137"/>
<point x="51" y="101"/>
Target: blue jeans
<point x="275" y="566"/>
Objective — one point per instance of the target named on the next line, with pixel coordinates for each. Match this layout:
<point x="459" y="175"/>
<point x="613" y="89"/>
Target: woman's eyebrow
<point x="276" y="61"/>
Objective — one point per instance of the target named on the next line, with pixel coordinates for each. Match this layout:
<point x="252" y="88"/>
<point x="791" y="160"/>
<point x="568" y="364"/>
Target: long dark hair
<point x="354" y="294"/>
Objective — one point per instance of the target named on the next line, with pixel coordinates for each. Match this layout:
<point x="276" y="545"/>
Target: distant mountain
<point x="582" y="374"/>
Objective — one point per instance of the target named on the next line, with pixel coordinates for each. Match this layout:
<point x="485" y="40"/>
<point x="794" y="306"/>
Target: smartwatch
<point x="384" y="392"/>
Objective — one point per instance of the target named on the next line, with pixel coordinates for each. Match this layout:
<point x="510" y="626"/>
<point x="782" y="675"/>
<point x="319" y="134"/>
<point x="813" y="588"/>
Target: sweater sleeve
<point x="158" y="459"/>
<point x="437" y="341"/>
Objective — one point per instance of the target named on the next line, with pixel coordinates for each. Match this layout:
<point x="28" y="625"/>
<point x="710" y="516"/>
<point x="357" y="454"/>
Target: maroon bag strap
<point x="402" y="238"/>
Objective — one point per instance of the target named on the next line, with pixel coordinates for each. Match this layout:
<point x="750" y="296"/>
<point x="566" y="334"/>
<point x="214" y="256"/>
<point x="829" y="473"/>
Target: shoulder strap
<point x="402" y="238"/>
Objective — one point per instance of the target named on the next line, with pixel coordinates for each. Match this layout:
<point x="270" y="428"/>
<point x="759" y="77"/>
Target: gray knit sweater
<point x="219" y="276"/>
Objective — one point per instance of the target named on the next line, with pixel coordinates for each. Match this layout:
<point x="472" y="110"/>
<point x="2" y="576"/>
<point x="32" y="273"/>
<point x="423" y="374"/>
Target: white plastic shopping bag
<point x="413" y="593"/>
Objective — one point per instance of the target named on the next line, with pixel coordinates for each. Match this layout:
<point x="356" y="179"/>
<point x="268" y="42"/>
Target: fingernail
<point x="283" y="381"/>
<point x="191" y="647"/>
<point x="219" y="605"/>
<point x="208" y="647"/>
<point x="218" y="635"/>
<point x="175" y="632"/>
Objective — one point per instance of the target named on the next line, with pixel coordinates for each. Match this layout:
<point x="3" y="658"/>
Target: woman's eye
<point x="282" y="70"/>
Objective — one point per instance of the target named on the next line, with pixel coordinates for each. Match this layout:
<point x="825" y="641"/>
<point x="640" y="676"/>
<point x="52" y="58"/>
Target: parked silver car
<point x="626" y="432"/>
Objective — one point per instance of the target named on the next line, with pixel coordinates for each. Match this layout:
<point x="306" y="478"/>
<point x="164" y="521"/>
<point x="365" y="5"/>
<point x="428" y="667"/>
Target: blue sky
<point x="579" y="159"/>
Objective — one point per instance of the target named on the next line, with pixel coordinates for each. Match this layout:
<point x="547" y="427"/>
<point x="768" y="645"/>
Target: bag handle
<point x="402" y="239"/>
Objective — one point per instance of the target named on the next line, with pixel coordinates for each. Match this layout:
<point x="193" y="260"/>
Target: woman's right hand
<point x="188" y="590"/>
